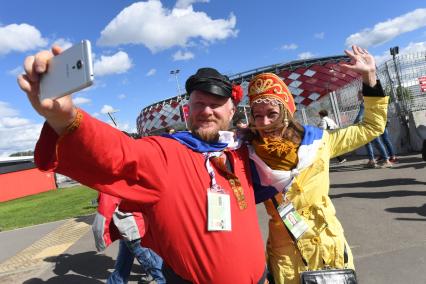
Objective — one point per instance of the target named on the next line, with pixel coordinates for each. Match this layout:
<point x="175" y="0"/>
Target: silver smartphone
<point x="68" y="72"/>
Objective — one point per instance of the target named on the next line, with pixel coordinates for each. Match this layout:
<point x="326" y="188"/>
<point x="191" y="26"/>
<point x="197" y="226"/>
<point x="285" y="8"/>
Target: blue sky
<point x="137" y="44"/>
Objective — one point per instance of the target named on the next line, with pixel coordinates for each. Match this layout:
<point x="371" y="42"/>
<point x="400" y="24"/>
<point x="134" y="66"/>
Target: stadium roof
<point x="308" y="80"/>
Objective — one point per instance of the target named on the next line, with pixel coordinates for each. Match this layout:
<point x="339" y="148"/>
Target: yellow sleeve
<point x="347" y="139"/>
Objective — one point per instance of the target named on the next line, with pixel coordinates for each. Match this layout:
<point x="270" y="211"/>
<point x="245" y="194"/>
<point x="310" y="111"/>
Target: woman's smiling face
<point x="265" y="114"/>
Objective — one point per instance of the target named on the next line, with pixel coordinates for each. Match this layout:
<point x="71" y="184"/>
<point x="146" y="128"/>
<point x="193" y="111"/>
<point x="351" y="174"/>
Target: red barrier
<point x="26" y="182"/>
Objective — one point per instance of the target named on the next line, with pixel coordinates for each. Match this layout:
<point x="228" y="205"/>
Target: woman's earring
<point x="286" y="121"/>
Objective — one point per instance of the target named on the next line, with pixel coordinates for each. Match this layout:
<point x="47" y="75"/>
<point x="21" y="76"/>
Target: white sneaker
<point x="385" y="164"/>
<point x="371" y="164"/>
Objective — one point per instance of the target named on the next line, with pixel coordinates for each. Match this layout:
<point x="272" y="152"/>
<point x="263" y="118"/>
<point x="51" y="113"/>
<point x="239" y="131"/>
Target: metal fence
<point x="400" y="80"/>
<point x="342" y="106"/>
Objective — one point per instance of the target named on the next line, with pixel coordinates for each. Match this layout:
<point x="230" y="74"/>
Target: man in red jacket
<point x="198" y="194"/>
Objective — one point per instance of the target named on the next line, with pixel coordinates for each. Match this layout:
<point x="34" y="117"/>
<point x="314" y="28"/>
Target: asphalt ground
<point x="383" y="212"/>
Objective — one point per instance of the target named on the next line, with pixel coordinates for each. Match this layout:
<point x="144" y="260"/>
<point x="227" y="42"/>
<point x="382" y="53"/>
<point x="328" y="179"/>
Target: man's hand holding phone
<point x="59" y="111"/>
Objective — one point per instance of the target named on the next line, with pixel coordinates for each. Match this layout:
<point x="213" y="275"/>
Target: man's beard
<point x="210" y="136"/>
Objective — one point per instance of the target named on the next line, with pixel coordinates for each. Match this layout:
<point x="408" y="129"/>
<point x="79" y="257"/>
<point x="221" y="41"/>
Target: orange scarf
<point x="277" y="153"/>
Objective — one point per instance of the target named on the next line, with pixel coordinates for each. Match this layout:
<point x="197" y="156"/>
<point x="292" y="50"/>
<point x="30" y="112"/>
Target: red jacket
<point x="112" y="222"/>
<point x="169" y="183"/>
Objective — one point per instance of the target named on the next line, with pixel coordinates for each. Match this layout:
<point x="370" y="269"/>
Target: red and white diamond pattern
<point x="159" y="116"/>
<point x="307" y="84"/>
<point x="311" y="84"/>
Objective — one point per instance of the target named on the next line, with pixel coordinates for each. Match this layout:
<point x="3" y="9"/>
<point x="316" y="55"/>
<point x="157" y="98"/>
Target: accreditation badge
<point x="292" y="220"/>
<point x="218" y="211"/>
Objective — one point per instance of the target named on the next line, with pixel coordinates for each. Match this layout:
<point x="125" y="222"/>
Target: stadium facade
<point x="322" y="83"/>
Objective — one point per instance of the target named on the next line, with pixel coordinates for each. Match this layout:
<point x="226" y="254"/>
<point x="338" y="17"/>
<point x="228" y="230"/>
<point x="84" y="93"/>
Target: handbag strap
<point x="345" y="253"/>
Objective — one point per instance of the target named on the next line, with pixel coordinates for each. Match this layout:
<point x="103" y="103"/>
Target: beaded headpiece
<point x="268" y="87"/>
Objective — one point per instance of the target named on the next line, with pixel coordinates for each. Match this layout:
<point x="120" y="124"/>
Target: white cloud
<point x="319" y="35"/>
<point x="186" y="3"/>
<point x="306" y="55"/>
<point x="63" y="43"/>
<point x="412" y="47"/>
<point x="19" y="138"/>
<point x="158" y="28"/>
<point x="107" y="108"/>
<point x="13" y="121"/>
<point x="114" y="64"/>
<point x="382" y="58"/>
<point x="151" y="72"/>
<point x="16" y="71"/>
<point x="81" y="100"/>
<point x="385" y="31"/>
<point x="121" y="96"/>
<point x="20" y="38"/>
<point x="16" y="133"/>
<point x="6" y="110"/>
<point x="179" y="55"/>
<point x="123" y="126"/>
<point x="290" y="46"/>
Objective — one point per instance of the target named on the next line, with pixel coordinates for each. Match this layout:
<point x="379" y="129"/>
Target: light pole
<point x="175" y="73"/>
<point x="404" y="113"/>
<point x="394" y="51"/>
<point x="111" y="116"/>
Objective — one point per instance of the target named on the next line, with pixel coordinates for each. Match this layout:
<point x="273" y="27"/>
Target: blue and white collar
<point x="226" y="140"/>
<point x="279" y="179"/>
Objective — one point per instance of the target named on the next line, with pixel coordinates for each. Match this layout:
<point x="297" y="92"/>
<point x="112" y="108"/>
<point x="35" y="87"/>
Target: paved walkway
<point x="383" y="212"/>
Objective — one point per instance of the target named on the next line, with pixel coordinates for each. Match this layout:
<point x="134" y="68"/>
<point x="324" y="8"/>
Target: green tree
<point x="404" y="94"/>
<point x="24" y="153"/>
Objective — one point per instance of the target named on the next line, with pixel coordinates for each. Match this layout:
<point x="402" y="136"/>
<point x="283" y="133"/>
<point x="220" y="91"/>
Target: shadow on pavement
<point x="403" y="163"/>
<point x="411" y="219"/>
<point x="417" y="166"/>
<point x="379" y="183"/>
<point x="87" y="268"/>
<point x="69" y="279"/>
<point x="421" y="210"/>
<point x="379" y="195"/>
<point x="86" y="219"/>
<point x="346" y="168"/>
<point x="410" y="159"/>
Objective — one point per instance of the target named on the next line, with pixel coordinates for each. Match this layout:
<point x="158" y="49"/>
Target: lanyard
<point x="214" y="187"/>
<point x="233" y="180"/>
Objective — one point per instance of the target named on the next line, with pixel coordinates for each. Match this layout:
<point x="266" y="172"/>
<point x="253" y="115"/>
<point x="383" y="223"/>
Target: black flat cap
<point x="211" y="81"/>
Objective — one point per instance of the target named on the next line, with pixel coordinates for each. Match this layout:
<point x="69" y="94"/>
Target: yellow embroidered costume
<point x="308" y="185"/>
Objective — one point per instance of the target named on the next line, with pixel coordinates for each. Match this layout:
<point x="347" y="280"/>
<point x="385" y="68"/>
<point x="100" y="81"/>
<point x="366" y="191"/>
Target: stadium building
<point x="322" y="83"/>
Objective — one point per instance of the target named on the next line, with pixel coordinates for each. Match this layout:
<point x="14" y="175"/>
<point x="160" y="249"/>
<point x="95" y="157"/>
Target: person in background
<point x="111" y="224"/>
<point x="385" y="137"/>
<point x="178" y="182"/>
<point x="241" y="123"/>
<point x="241" y="129"/>
<point x="372" y="162"/>
<point x="329" y="124"/>
<point x="290" y="167"/>
<point x="169" y="130"/>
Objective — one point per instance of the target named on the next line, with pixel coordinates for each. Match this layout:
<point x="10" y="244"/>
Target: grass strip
<point x="47" y="207"/>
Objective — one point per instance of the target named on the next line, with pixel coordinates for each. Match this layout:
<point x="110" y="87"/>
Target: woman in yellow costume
<point x="290" y="165"/>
